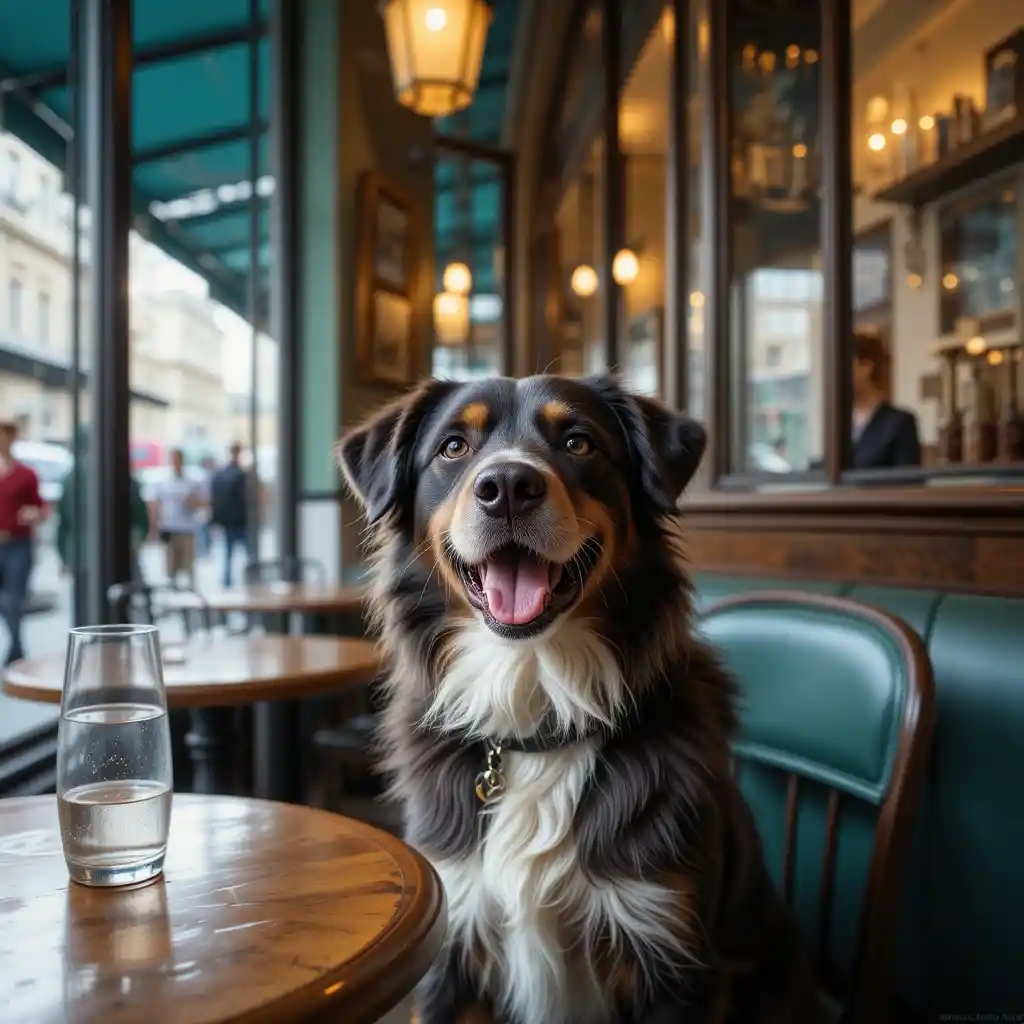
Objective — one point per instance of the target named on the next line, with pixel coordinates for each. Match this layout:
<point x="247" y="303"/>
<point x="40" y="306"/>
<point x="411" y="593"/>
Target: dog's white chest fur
<point x="520" y="899"/>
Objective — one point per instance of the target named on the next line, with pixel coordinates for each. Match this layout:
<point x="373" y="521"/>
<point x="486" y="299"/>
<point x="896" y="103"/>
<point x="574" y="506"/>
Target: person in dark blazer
<point x="884" y="436"/>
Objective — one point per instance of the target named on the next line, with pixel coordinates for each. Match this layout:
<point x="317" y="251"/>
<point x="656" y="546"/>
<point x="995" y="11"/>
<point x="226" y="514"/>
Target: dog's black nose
<point x="509" y="489"/>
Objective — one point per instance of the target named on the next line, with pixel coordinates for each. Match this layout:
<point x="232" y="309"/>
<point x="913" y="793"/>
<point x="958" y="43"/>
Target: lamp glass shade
<point x="436" y="48"/>
<point x="584" y="280"/>
<point x="451" y="318"/>
<point x="457" y="278"/>
<point x="625" y="267"/>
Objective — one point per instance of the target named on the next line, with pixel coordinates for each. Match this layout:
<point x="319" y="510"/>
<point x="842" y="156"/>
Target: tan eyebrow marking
<point x="475" y="415"/>
<point x="555" y="412"/>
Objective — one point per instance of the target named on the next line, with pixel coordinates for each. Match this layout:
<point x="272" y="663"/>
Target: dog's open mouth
<point x="519" y="592"/>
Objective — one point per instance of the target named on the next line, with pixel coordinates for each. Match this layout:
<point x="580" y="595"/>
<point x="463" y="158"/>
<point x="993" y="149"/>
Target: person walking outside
<point x="21" y="511"/>
<point x="229" y="492"/>
<point x="174" y="514"/>
<point x="69" y="542"/>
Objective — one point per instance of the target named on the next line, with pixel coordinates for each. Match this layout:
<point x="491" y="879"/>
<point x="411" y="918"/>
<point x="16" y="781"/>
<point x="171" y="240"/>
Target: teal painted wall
<point x="319" y="269"/>
<point x="351" y="124"/>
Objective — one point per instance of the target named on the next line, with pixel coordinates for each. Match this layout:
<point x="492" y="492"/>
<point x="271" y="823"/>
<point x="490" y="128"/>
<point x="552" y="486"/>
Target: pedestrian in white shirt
<point x="175" y="513"/>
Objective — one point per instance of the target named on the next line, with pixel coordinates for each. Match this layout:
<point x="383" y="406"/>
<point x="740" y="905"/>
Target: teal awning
<point x="190" y="125"/>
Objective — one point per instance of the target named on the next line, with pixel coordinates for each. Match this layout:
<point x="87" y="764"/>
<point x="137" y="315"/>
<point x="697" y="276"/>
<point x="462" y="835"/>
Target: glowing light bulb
<point x="950" y="282"/>
<point x="457" y="279"/>
<point x="995" y="358"/>
<point x="625" y="267"/>
<point x="899" y="126"/>
<point x="584" y="280"/>
<point x="926" y="122"/>
<point x="914" y="281"/>
<point x="436" y="18"/>
<point x="876" y="142"/>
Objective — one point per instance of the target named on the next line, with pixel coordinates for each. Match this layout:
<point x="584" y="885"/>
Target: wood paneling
<point x="969" y="541"/>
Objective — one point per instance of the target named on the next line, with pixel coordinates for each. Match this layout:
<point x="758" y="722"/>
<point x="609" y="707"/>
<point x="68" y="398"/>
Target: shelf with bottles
<point x="986" y="154"/>
<point x="916" y="156"/>
<point x="980" y="410"/>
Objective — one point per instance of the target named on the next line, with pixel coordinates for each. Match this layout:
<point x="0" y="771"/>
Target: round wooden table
<point x="265" y="912"/>
<point x="276" y="599"/>
<point x="221" y="672"/>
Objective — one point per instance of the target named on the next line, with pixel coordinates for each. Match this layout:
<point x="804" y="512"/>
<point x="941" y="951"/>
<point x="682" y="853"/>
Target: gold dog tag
<point x="490" y="784"/>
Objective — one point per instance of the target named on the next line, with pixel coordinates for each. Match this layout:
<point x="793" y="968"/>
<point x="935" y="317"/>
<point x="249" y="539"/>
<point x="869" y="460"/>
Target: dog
<point x="557" y="736"/>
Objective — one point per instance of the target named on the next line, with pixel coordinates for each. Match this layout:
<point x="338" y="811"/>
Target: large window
<point x="203" y="367"/>
<point x="775" y="295"/>
<point x="932" y="106"/>
<point x="644" y="141"/>
<point x="578" y="342"/>
<point x="851" y="225"/>
<point x="15" y="303"/>
<point x="469" y="263"/>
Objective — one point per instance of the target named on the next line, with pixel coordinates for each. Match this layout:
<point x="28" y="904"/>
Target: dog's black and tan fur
<point x="619" y="876"/>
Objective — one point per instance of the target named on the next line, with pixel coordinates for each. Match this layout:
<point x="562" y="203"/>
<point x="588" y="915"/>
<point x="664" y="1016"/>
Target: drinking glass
<point x="114" y="756"/>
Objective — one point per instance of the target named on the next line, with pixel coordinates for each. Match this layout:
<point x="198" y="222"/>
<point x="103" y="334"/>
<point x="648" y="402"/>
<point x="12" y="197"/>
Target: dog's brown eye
<point x="454" y="448"/>
<point x="578" y="444"/>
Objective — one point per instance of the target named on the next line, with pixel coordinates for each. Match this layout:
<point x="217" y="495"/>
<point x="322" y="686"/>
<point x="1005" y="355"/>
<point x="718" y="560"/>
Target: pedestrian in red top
<point x="21" y="510"/>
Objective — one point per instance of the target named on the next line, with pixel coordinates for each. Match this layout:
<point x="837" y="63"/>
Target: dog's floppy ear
<point x="376" y="457"/>
<point x="666" y="445"/>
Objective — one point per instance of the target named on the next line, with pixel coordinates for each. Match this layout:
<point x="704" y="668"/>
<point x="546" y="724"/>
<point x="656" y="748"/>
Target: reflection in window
<point x="776" y="292"/>
<point x="467" y="233"/>
<point x="978" y="257"/>
<point x="643" y="135"/>
<point x="783" y="311"/>
<point x="697" y="36"/>
<point x="923" y="100"/>
<point x="577" y="347"/>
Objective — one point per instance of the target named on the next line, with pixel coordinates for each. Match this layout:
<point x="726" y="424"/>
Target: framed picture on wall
<point x="385" y="281"/>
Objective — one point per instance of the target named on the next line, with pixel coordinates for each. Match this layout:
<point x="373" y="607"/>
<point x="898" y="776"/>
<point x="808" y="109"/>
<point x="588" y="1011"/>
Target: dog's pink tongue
<point x="516" y="586"/>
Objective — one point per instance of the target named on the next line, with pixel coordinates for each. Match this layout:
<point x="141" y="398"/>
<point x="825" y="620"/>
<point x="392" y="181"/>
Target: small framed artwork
<point x="385" y="284"/>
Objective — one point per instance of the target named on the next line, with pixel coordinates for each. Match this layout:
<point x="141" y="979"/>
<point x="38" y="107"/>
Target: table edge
<point x="411" y="942"/>
<point x="242" y="694"/>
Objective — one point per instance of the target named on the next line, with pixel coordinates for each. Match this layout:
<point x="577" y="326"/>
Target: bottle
<point x="951" y="433"/>
<point x="1011" y="427"/>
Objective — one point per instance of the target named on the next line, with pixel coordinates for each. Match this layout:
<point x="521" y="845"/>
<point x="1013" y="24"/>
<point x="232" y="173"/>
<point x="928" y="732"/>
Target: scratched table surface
<point x="265" y="912"/>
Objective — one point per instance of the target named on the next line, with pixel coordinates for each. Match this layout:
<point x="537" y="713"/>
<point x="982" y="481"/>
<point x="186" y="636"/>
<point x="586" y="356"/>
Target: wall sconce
<point x="451" y="318"/>
<point x="625" y="267"/>
<point x="457" y="279"/>
<point x="584" y="280"/>
<point x="436" y="48"/>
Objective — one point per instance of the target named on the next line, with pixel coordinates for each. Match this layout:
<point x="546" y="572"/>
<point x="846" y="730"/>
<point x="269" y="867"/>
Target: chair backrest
<point x="291" y="569"/>
<point x="148" y="603"/>
<point x="836" y="724"/>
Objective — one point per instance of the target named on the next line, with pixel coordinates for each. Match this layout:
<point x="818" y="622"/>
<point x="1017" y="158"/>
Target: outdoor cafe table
<point x="265" y="912"/>
<point x="221" y="672"/>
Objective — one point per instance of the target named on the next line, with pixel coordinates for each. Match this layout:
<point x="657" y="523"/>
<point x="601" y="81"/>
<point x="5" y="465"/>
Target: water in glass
<point x="114" y="757"/>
